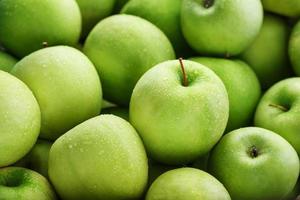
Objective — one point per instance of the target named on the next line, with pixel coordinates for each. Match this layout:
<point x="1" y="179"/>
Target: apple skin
<point x="187" y="184"/>
<point x="285" y="94"/>
<point x="190" y="120"/>
<point x="92" y="12"/>
<point x="37" y="158"/>
<point x="118" y="111"/>
<point x="66" y="85"/>
<point x="267" y="58"/>
<point x="165" y="14"/>
<point x="122" y="53"/>
<point x="27" y="24"/>
<point x="294" y="48"/>
<point x="7" y="62"/>
<point x="20" y="119"/>
<point x="288" y="8"/>
<point x="270" y="171"/>
<point x="203" y="28"/>
<point x="24" y="184"/>
<point x="102" y="158"/>
<point x="242" y="86"/>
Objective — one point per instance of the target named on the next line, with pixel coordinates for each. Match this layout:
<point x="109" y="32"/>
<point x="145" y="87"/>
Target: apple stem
<point x="45" y="44"/>
<point x="284" y="109"/>
<point x="253" y="152"/>
<point x="185" y="81"/>
<point x="208" y="3"/>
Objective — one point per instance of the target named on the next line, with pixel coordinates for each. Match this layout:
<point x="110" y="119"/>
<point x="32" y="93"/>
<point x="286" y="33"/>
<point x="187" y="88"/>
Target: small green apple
<point x="279" y="110"/>
<point x="179" y="110"/>
<point x="7" y="62"/>
<point x="223" y="27"/>
<point x="187" y="184"/>
<point x="28" y="25"/>
<point x="118" y="111"/>
<point x="267" y="55"/>
<point x="123" y="48"/>
<point x="294" y="48"/>
<point x="20" y="119"/>
<point x="66" y="85"/>
<point x="24" y="184"/>
<point x="102" y="158"/>
<point x="92" y="12"/>
<point x="255" y="163"/>
<point x="242" y="86"/>
<point x="289" y="8"/>
<point x="37" y="158"/>
<point x="165" y="14"/>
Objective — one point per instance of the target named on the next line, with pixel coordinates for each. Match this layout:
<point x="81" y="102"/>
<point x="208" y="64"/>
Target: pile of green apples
<point x="202" y="99"/>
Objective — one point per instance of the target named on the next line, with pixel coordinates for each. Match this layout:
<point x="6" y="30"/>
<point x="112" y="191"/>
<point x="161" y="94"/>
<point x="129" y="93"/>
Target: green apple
<point x="279" y="110"/>
<point x="289" y="8"/>
<point x="180" y="111"/>
<point x="123" y="48"/>
<point x="223" y="27"/>
<point x="242" y="86"/>
<point x="92" y="12"/>
<point x="37" y="158"/>
<point x="66" y="85"/>
<point x="187" y="184"/>
<point x="267" y="55"/>
<point x="24" y="184"/>
<point x="7" y="62"/>
<point x="294" y="48"/>
<point x="20" y="119"/>
<point x="255" y="163"/>
<point x="29" y="25"/>
<point x="165" y="14"/>
<point x="118" y="111"/>
<point x="102" y="158"/>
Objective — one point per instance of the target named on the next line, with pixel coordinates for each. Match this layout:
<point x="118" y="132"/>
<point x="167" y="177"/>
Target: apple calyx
<point x="208" y="3"/>
<point x="45" y="44"/>
<point x="185" y="81"/>
<point x="282" y="108"/>
<point x="253" y="152"/>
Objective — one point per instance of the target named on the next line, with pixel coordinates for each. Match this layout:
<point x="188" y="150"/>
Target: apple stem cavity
<point x="284" y="109"/>
<point x="45" y="44"/>
<point x="253" y="152"/>
<point x="185" y="80"/>
<point x="208" y="3"/>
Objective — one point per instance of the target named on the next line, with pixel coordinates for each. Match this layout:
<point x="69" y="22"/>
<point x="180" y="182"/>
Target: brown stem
<point x="284" y="109"/>
<point x="185" y="81"/>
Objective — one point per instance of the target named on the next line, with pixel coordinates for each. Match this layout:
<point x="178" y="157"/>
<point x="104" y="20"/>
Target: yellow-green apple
<point x="222" y="27"/>
<point x="187" y="184"/>
<point x="102" y="158"/>
<point x="179" y="110"/>
<point x="6" y="61"/>
<point x="279" y="110"/>
<point x="255" y="163"/>
<point x="29" y="25"/>
<point x="24" y="184"/>
<point x="123" y="48"/>
<point x="294" y="48"/>
<point x="20" y="119"/>
<point x="118" y="111"/>
<point x="66" y="85"/>
<point x="267" y="58"/>
<point x="289" y="8"/>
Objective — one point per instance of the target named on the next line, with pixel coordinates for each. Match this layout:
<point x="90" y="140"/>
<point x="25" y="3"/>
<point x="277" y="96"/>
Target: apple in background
<point x="37" y="158"/>
<point x="119" y="5"/>
<point x="107" y="104"/>
<point x="179" y="110"/>
<point x="294" y="48"/>
<point x="25" y="184"/>
<point x="242" y="86"/>
<point x="6" y="61"/>
<point x="66" y="85"/>
<point x="92" y="12"/>
<point x="187" y="184"/>
<point x="20" y="119"/>
<point x="267" y="58"/>
<point x="201" y="163"/>
<point x="288" y="8"/>
<point x="165" y="14"/>
<point x="118" y="111"/>
<point x="123" y="48"/>
<point x="279" y="110"/>
<point x="29" y="25"/>
<point x="102" y="158"/>
<point x="203" y="23"/>
<point x="156" y="169"/>
<point x="255" y="163"/>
